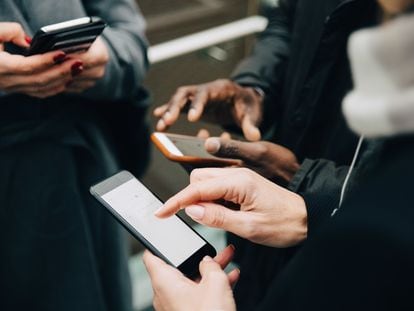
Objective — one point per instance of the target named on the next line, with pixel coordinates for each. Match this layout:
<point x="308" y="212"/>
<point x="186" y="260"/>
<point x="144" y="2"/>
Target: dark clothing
<point x="55" y="237"/>
<point x="60" y="250"/>
<point x="363" y="259"/>
<point x="301" y="63"/>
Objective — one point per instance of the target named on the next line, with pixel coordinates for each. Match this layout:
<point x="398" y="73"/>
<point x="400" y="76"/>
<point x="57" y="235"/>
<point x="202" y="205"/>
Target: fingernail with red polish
<point x="60" y="58"/>
<point x="28" y="39"/>
<point x="77" y="68"/>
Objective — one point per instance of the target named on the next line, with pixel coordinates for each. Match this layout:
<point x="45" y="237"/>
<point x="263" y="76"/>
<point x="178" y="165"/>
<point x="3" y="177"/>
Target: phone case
<point x="69" y="39"/>
<point x="187" y="159"/>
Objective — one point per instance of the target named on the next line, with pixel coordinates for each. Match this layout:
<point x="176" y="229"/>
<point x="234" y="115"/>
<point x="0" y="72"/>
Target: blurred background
<point x="185" y="20"/>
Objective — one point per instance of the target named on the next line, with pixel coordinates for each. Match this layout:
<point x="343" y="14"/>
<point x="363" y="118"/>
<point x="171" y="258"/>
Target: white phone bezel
<point x="168" y="144"/>
<point x="63" y="25"/>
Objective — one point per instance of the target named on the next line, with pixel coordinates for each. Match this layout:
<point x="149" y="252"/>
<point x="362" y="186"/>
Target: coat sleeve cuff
<point x="320" y="200"/>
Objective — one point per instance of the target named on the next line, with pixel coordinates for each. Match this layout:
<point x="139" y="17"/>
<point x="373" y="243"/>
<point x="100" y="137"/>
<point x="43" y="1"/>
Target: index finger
<point x="203" y="191"/>
<point x="21" y="65"/>
<point x="177" y="103"/>
<point x="250" y="130"/>
<point x="13" y="32"/>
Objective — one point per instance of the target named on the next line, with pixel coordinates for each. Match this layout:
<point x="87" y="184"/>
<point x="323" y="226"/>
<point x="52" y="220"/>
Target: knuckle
<point x="25" y="69"/>
<point x="218" y="218"/>
<point x="230" y="149"/>
<point x="101" y="73"/>
<point x="261" y="151"/>
<point x="15" y="27"/>
<point x="216" y="277"/>
<point x="195" y="175"/>
<point x="63" y="73"/>
<point x="251" y="229"/>
<point x="181" y="90"/>
<point x="247" y="176"/>
<point x="41" y="81"/>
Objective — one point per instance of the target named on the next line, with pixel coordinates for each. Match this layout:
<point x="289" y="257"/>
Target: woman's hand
<point x="39" y="75"/>
<point x="269" y="215"/>
<point x="173" y="291"/>
<point x="221" y="101"/>
<point x="94" y="63"/>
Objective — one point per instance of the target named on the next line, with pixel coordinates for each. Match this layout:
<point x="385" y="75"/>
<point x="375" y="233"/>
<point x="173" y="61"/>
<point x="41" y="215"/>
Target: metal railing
<point x="207" y="38"/>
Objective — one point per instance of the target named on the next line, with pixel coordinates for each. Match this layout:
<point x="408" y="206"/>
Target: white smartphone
<point x="188" y="150"/>
<point x="171" y="239"/>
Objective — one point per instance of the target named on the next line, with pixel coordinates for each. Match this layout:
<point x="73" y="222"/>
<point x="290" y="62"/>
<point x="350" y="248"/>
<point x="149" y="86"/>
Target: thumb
<point x="208" y="267"/>
<point x="13" y="32"/>
<point x="218" y="216"/>
<point x="228" y="148"/>
<point x="250" y="130"/>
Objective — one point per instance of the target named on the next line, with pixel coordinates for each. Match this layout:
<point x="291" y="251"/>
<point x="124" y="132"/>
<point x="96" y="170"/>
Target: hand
<point x="173" y="291"/>
<point x="269" y="215"/>
<point x="272" y="161"/>
<point x="393" y="7"/>
<point x="220" y="101"/>
<point x="94" y="64"/>
<point x="39" y="75"/>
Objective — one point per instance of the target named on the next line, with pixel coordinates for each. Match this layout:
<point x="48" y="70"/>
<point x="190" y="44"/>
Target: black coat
<point x="301" y="63"/>
<point x="363" y="259"/>
<point x="60" y="249"/>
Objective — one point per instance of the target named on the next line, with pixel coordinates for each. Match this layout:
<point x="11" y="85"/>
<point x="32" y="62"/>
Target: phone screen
<point x="171" y="237"/>
<point x="181" y="145"/>
<point x="191" y="146"/>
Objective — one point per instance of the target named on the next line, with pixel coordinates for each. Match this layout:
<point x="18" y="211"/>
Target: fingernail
<point x="158" y="211"/>
<point x="192" y="114"/>
<point x="232" y="247"/>
<point x="207" y="258"/>
<point x="167" y="115"/>
<point x="212" y="145"/>
<point x="161" y="125"/>
<point x="28" y="39"/>
<point x="77" y="68"/>
<point x="196" y="212"/>
<point x="60" y="58"/>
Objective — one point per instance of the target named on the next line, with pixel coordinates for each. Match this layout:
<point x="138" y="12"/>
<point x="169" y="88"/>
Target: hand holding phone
<point x="71" y="36"/>
<point x="39" y="75"/>
<point x="188" y="150"/>
<point x="93" y="67"/>
<point x="171" y="239"/>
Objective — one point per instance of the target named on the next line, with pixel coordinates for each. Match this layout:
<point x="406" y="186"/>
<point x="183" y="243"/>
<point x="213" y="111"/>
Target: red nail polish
<point x="28" y="39"/>
<point x="77" y="68"/>
<point x="60" y="58"/>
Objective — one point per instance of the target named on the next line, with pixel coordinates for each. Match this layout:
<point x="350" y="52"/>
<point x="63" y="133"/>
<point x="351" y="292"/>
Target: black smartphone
<point x="171" y="239"/>
<point x="72" y="36"/>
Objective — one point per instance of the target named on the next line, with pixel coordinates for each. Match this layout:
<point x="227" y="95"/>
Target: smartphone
<point x="70" y="37"/>
<point x="171" y="239"/>
<point x="188" y="150"/>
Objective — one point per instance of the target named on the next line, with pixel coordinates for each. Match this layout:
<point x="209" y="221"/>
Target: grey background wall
<point x="170" y="19"/>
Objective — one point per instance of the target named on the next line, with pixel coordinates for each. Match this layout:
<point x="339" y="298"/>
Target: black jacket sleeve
<point x="319" y="182"/>
<point x="264" y="67"/>
<point x="363" y="258"/>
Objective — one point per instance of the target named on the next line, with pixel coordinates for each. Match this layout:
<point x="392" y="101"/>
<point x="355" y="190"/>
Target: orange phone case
<point x="186" y="159"/>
